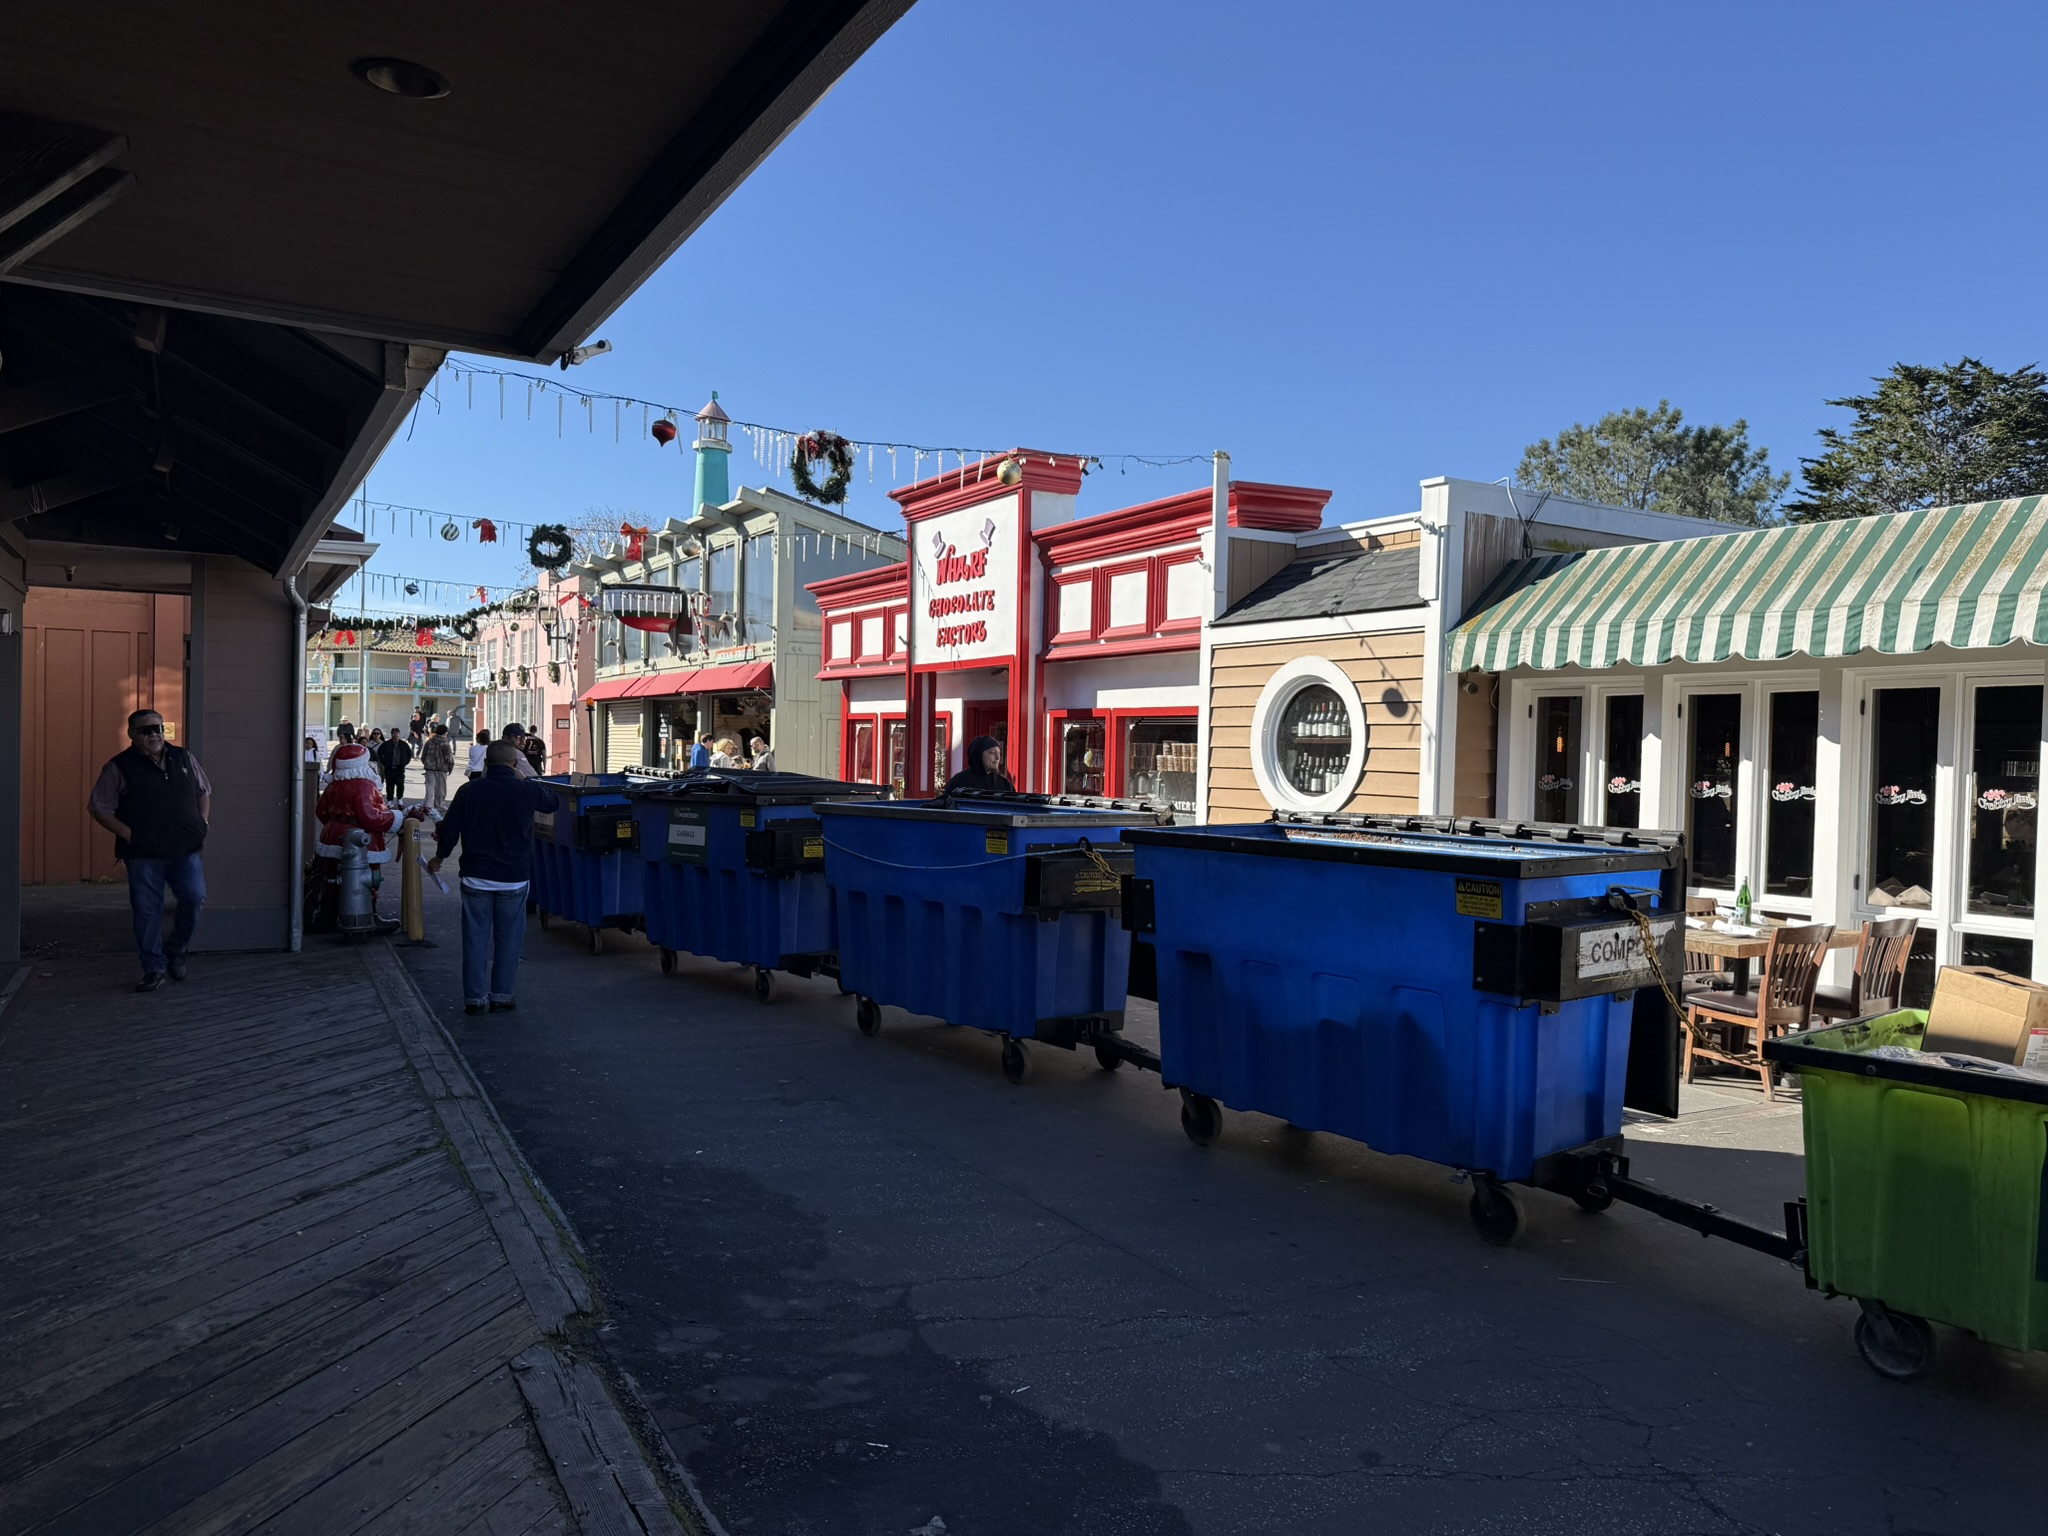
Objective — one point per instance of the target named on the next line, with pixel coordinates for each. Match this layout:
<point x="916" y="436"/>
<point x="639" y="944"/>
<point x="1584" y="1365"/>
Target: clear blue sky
<point x="1356" y="245"/>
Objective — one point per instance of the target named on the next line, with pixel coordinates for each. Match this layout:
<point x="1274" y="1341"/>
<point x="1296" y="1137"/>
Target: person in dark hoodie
<point x="492" y="817"/>
<point x="983" y="770"/>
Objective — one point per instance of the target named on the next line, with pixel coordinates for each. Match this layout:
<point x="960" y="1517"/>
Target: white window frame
<point x="1287" y="681"/>
<point x="1760" y="781"/>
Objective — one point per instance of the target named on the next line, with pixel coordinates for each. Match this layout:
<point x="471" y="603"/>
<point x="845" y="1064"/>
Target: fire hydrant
<point x="354" y="911"/>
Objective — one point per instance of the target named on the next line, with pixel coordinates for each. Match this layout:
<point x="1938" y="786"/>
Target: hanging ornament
<point x="549" y="547"/>
<point x="665" y="430"/>
<point x="412" y="589"/>
<point x="836" y="453"/>
<point x="486" y="530"/>
<point x="483" y="595"/>
<point x="450" y="532"/>
<point x="465" y="628"/>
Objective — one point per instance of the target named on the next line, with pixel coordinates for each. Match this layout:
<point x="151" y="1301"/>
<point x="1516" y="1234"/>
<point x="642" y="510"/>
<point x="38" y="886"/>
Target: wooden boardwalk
<point x="268" y="1264"/>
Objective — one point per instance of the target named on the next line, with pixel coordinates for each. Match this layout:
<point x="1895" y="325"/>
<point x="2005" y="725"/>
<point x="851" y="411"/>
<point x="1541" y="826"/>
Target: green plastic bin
<point x="1925" y="1188"/>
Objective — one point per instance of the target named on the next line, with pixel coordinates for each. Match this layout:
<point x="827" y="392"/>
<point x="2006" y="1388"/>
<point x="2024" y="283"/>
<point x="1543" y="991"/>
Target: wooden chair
<point x="1879" y="979"/>
<point x="1702" y="971"/>
<point x="1731" y="1027"/>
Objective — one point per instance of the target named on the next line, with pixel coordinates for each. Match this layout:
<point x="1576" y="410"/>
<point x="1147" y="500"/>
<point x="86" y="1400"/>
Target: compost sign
<point x="1616" y="951"/>
<point x="963" y="585"/>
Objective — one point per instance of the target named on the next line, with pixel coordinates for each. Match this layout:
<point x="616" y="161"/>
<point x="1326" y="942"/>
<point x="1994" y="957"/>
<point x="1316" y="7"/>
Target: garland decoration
<point x="837" y="454"/>
<point x="466" y="628"/>
<point x="549" y="547"/>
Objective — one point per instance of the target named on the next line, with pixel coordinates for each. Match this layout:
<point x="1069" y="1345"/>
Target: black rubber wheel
<point x="597" y="941"/>
<point x="867" y="1015"/>
<point x="1200" y="1116"/>
<point x="543" y="919"/>
<point x="1496" y="1211"/>
<point x="1594" y="1195"/>
<point x="1107" y="1058"/>
<point x="1896" y="1345"/>
<point x="1016" y="1065"/>
<point x="764" y="985"/>
<point x="668" y="962"/>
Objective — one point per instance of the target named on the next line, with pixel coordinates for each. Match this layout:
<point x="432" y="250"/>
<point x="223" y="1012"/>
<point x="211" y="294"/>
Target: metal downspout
<point x="297" y="883"/>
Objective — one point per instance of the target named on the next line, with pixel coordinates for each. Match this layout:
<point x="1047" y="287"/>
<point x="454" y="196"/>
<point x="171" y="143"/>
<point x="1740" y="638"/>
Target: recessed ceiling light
<point x="401" y="77"/>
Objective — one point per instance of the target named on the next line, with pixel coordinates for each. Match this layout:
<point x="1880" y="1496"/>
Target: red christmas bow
<point x="636" y="540"/>
<point x="487" y="531"/>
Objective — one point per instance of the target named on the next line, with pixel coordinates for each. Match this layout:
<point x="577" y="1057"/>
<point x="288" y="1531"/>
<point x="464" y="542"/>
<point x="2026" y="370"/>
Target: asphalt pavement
<point x="863" y="1283"/>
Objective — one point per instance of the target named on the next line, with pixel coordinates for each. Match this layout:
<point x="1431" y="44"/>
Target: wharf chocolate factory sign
<point x="964" y="585"/>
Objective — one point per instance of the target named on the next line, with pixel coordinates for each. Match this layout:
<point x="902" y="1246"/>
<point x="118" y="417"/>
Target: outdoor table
<point x="1739" y="949"/>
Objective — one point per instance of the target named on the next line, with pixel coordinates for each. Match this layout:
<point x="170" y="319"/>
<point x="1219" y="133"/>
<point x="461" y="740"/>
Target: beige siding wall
<point x="1387" y="672"/>
<point x="1472" y="787"/>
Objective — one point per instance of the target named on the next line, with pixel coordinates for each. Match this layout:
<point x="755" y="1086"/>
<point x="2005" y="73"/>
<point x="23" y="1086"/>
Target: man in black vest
<point x="156" y="800"/>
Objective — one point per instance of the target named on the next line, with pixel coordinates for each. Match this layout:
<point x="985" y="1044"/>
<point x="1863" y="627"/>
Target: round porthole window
<point x="1308" y="737"/>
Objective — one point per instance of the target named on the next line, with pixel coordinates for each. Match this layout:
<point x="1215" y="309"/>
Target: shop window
<point x="1794" y="749"/>
<point x="1315" y="740"/>
<point x="942" y="750"/>
<point x="1557" y="758"/>
<point x="1622" y="794"/>
<point x="899" y="755"/>
<point x="1918" y="991"/>
<point x="870" y="636"/>
<point x="1160" y="761"/>
<point x="1905" y="728"/>
<point x="1083" y="757"/>
<point x="2004" y="791"/>
<point x="1998" y="951"/>
<point x="1714" y="751"/>
<point x="861" y="770"/>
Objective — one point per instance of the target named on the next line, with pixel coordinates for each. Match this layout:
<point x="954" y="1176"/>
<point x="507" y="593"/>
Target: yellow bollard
<point x="412" y="901"/>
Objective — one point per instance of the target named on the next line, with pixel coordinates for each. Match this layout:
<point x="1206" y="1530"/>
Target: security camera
<point x="584" y="354"/>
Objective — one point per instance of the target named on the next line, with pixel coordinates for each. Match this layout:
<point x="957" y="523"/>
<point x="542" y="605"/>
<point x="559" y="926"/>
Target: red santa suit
<point x="352" y="799"/>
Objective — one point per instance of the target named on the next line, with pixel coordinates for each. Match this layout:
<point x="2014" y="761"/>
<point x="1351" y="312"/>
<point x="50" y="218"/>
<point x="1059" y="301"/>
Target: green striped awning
<point x="1965" y="576"/>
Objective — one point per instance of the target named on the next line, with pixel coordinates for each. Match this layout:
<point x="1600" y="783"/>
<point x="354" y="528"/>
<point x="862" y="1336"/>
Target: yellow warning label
<point x="746" y="818"/>
<point x="1479" y="898"/>
<point x="814" y="847"/>
<point x="998" y="841"/>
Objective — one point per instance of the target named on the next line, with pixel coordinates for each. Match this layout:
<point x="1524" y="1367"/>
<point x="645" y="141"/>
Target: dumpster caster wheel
<point x="1496" y="1211"/>
<point x="1593" y="1195"/>
<point x="867" y="1015"/>
<point x="1015" y="1063"/>
<point x="597" y="941"/>
<point x="668" y="962"/>
<point x="1200" y="1116"/>
<point x="1897" y="1345"/>
<point x="1108" y="1058"/>
<point x="764" y="985"/>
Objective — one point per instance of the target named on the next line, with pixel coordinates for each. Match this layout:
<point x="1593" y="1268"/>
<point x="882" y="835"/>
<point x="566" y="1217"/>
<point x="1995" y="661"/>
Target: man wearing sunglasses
<point x="156" y="800"/>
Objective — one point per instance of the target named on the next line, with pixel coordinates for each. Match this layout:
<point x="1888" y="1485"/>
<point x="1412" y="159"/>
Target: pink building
<point x="531" y="663"/>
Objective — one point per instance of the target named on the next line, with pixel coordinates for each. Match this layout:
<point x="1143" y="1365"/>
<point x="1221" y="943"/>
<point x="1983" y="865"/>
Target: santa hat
<point x="353" y="762"/>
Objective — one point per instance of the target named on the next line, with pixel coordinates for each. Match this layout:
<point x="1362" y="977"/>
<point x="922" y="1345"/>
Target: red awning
<point x="742" y="677"/>
<point x="610" y="688"/>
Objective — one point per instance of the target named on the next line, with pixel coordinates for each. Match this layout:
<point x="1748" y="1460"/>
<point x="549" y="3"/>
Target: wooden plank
<point x="464" y="1490"/>
<point x="1270" y="654"/>
<point x="610" y="1489"/>
<point x="365" y="1488"/>
<point x="526" y="1508"/>
<point x="180" y="1359"/>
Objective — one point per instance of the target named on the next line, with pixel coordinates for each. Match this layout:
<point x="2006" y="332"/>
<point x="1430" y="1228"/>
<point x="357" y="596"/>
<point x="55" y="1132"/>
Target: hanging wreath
<point x="549" y="547"/>
<point x="837" y="454"/>
<point x="465" y="629"/>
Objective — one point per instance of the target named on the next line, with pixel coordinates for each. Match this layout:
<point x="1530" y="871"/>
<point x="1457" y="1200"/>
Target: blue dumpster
<point x="1460" y="991"/>
<point x="586" y="867"/>
<point x="999" y="913"/>
<point x="734" y="869"/>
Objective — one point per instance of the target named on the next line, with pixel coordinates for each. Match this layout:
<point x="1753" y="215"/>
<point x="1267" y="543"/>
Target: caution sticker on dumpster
<point x="998" y="841"/>
<point x="746" y="818"/>
<point x="1616" y="951"/>
<point x="814" y="848"/>
<point x="1479" y="898"/>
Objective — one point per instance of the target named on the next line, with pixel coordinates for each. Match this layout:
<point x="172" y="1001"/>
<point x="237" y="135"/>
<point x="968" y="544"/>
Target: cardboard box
<point x="1981" y="1012"/>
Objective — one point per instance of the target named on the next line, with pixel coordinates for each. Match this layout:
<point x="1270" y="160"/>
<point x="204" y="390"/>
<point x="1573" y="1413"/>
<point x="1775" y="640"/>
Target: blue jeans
<point x="493" y="928"/>
<point x="146" y="881"/>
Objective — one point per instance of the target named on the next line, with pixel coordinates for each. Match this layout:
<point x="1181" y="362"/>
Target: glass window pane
<point x="1918" y="991"/>
<point x="1715" y="737"/>
<point x="1788" y="802"/>
<point x="1623" y="794"/>
<point x="1904" y="727"/>
<point x="2004" y="789"/>
<point x="1557" y="759"/>
<point x="1159" y="761"/>
<point x="899" y="755"/>
<point x="1082" y="758"/>
<point x="863" y="765"/>
<point x="2015" y="956"/>
<point x="1314" y="740"/>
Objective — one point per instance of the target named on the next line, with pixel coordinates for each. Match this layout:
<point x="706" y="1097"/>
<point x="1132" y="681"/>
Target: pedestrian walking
<point x="515" y="733"/>
<point x="476" y="755"/>
<point x="536" y="752"/>
<point x="762" y="756"/>
<point x="700" y="754"/>
<point x="437" y="761"/>
<point x="157" y="801"/>
<point x="312" y="753"/>
<point x="725" y="753"/>
<point x="344" y="735"/>
<point x="492" y="820"/>
<point x="393" y="758"/>
<point x="351" y="801"/>
<point x="416" y="730"/>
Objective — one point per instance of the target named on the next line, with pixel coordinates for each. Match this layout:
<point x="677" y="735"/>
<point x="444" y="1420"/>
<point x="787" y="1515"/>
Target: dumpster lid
<point x="976" y="799"/>
<point x="1884" y="1046"/>
<point x="611" y="783"/>
<point x="998" y="811"/>
<point x="755" y="788"/>
<point x="1377" y="840"/>
<point x="1488" y="826"/>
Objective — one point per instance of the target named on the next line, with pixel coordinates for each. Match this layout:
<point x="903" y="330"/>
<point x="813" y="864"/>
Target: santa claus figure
<point x="353" y="800"/>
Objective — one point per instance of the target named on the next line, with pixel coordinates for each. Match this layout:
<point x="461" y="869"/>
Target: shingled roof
<point x="1320" y="586"/>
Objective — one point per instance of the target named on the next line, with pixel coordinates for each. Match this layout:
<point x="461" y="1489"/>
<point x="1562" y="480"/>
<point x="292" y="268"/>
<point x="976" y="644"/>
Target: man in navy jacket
<point x="492" y="818"/>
